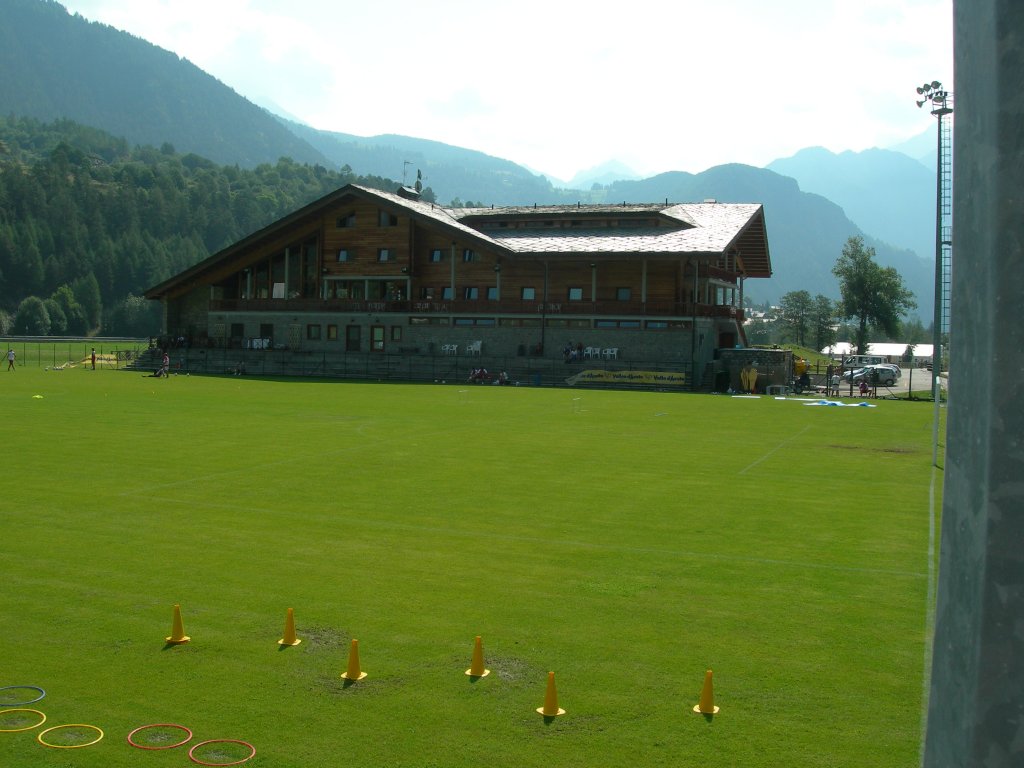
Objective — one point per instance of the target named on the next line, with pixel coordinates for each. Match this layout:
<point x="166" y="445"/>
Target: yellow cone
<point x="551" y="708"/>
<point x="353" y="672"/>
<point x="476" y="668"/>
<point x="289" y="630"/>
<point x="706" y="706"/>
<point x="177" y="629"/>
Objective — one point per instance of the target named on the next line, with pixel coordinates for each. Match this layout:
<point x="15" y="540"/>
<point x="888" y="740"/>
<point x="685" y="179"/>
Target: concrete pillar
<point x="976" y="705"/>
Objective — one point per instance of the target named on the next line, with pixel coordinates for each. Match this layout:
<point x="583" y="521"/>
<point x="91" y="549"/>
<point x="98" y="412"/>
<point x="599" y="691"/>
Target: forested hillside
<point x="54" y="65"/>
<point x="87" y="222"/>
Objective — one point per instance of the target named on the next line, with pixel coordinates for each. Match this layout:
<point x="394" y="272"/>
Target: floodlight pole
<point x="941" y="105"/>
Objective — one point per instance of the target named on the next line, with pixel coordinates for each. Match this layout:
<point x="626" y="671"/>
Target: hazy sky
<point x="564" y="85"/>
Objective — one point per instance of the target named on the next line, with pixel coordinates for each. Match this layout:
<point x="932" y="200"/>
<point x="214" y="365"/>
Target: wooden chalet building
<point x="369" y="272"/>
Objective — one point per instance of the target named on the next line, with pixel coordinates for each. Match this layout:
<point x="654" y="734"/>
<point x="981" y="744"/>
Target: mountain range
<point x="55" y="65"/>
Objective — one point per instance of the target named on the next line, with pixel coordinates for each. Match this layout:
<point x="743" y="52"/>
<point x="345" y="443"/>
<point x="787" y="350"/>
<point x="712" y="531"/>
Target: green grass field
<point x="626" y="541"/>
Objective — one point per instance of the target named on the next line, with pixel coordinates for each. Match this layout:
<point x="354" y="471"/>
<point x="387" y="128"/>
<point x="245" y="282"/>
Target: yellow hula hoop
<point x="39" y="738"/>
<point x="27" y="727"/>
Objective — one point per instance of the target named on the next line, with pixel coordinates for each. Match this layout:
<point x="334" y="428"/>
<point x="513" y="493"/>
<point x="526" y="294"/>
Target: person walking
<point x="94" y="358"/>
<point x="10" y="359"/>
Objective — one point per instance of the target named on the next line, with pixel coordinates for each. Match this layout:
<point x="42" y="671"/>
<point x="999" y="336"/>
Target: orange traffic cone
<point x="706" y="706"/>
<point x="476" y="668"/>
<point x="177" y="629"/>
<point x="353" y="672"/>
<point x="551" y="708"/>
<point x="289" y="630"/>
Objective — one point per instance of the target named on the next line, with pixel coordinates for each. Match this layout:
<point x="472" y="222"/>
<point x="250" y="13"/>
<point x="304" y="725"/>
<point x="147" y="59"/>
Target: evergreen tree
<point x="87" y="294"/>
<point x="823" y="322"/>
<point x="795" y="316"/>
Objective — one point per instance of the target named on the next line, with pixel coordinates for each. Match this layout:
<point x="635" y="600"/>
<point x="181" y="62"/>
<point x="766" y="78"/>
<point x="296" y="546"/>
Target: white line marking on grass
<point x="777" y="448"/>
<point x="929" y="615"/>
<point x="476" y="534"/>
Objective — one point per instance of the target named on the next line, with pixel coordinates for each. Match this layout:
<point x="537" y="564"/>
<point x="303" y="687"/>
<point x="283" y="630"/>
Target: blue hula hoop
<point x="42" y="693"/>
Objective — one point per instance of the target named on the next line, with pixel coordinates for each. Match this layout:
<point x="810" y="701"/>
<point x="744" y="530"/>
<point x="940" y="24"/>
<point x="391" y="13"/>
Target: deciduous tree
<point x="873" y="295"/>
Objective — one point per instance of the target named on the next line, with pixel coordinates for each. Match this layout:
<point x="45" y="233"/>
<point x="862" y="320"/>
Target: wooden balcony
<point x="482" y="307"/>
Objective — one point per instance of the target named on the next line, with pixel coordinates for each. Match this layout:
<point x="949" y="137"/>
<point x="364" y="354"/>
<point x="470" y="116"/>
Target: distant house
<point x="365" y="271"/>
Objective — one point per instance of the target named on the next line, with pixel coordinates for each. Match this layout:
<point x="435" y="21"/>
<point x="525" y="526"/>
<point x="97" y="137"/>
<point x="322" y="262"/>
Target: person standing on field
<point x="10" y="359"/>
<point x="94" y="358"/>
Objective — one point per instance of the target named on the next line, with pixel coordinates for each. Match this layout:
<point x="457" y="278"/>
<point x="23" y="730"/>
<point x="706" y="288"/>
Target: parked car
<point x="888" y="374"/>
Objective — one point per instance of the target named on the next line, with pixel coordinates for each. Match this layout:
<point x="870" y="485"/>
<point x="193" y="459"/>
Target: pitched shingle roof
<point x="685" y="229"/>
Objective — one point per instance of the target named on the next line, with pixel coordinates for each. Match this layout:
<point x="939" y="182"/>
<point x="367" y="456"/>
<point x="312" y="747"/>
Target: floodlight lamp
<point x="920" y="103"/>
<point x="920" y="90"/>
<point x="936" y="84"/>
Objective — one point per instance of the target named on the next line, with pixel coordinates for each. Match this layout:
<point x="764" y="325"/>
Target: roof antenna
<point x="405" y="168"/>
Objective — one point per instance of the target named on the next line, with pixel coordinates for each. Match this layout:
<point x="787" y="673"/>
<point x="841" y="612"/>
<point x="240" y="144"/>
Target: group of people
<point x="481" y="376"/>
<point x="573" y="352"/>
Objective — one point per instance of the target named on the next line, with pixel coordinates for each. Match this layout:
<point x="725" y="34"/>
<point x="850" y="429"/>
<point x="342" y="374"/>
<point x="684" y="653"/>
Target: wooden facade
<point x="652" y="280"/>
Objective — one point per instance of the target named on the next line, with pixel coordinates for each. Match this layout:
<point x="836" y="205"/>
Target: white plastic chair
<point x="450" y="349"/>
<point x="474" y="348"/>
<point x="611" y="353"/>
<point x="591" y="353"/>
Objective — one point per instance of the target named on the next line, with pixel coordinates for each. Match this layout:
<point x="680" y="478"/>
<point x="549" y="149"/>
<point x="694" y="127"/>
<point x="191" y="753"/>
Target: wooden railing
<point x="531" y="308"/>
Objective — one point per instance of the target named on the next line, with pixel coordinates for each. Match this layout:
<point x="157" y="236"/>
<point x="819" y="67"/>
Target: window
<point x="492" y="293"/>
<point x="471" y="293"/>
<point x="446" y="293"/>
<point x="468" y="255"/>
<point x="388" y="219"/>
<point x="346" y="222"/>
<point x="616" y="323"/>
<point x="313" y="332"/>
<point x="529" y="294"/>
<point x="332" y="332"/>
<point x="623" y="294"/>
<point x="437" y="255"/>
<point x="575" y="294"/>
<point x="384" y="254"/>
<point x="396" y="333"/>
<point x="344" y="255"/>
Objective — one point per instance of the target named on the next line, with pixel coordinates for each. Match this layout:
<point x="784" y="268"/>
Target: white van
<point x="859" y="361"/>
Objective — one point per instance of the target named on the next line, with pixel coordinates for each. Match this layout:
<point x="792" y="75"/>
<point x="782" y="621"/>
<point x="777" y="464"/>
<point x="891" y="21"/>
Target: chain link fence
<point x="60" y="353"/>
